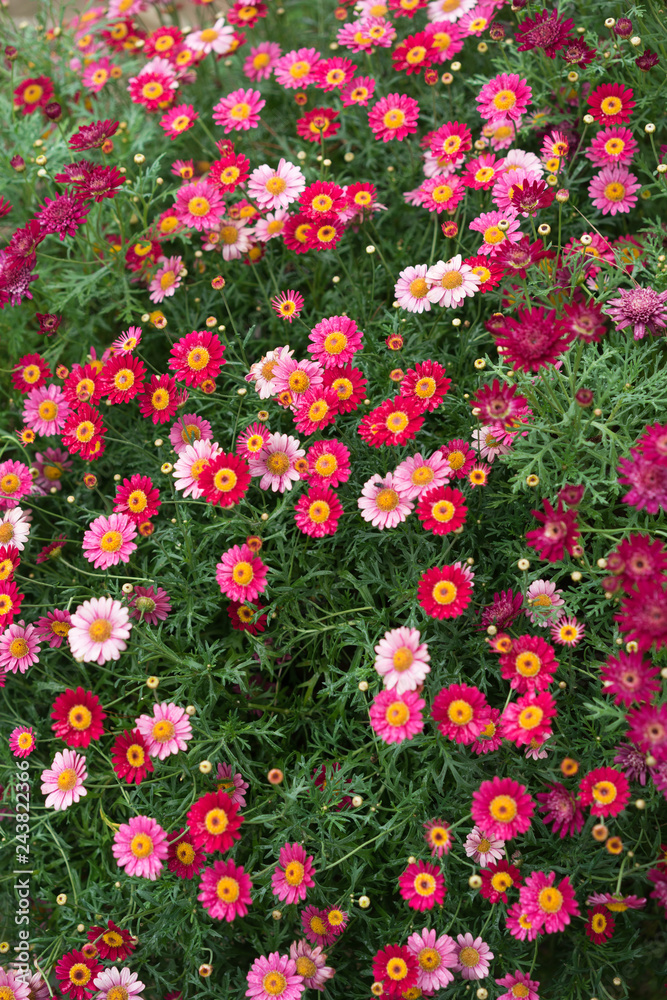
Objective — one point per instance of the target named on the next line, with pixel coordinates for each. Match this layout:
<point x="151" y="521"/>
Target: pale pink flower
<point x="188" y="429"/>
<point x="520" y="159"/>
<point x="232" y="237"/>
<point x="15" y="527"/>
<point x="488" y="445"/>
<point x="483" y="849"/>
<point x="140" y="847"/>
<point x="192" y="461"/>
<point x="542" y="599"/>
<point x="275" y="463"/>
<point x="311" y="964"/>
<point x="474" y="956"/>
<point x="19" y="647"/>
<point x="166" y="731"/>
<point x="416" y="474"/>
<point x="298" y="376"/>
<point x="411" y="289"/>
<point x="99" y="630"/>
<point x="263" y="372"/>
<point x="382" y="503"/>
<point x="109" y="540"/>
<point x="402" y="659"/>
<point x="450" y="282"/>
<point x="448" y="10"/>
<point x="218" y="38"/>
<point x="115" y="983"/>
<point x="276" y="188"/>
<point x="271" y="226"/>
<point x="62" y="783"/>
<point x="166" y="280"/>
<point x="436" y="956"/>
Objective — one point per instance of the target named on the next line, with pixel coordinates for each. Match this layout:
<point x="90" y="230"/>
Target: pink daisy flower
<point x="140" y="847"/>
<point x="46" y="410"/>
<point x="218" y="38"/>
<point x="62" y="783"/>
<point x="436" y="957"/>
<point x="199" y="205"/>
<point x="461" y="712"/>
<point x="98" y="73"/>
<point x="412" y="288"/>
<point x="128" y="341"/>
<point x="232" y="238"/>
<point x="153" y="85"/>
<point x="20" y="988"/>
<point x="382" y="503"/>
<point x="488" y="445"/>
<point x="191" y="462"/>
<point x="495" y="237"/>
<point x="529" y="718"/>
<point x="506" y="96"/>
<point x="232" y="783"/>
<point x="15" y="482"/>
<point x="422" y="885"/>
<point x="296" y="69"/>
<point x="473" y="956"/>
<point x="178" y="120"/>
<point x="262" y="372"/>
<point x="416" y="474"/>
<point x="483" y="849"/>
<point x="22" y="741"/>
<point x="605" y="790"/>
<point x="19" y="647"/>
<point x="335" y="341"/>
<point x="440" y="193"/>
<point x="316" y="927"/>
<point x="297" y="377"/>
<point x="542" y="598"/>
<point x="402" y="660"/>
<point x="502" y="808"/>
<point x="260" y="61"/>
<point x="438" y="837"/>
<point x="109" y="540"/>
<point x="197" y="356"/>
<point x="518" y="924"/>
<point x="137" y="498"/>
<point x="115" y="982"/>
<point x="446" y="591"/>
<point x="614" y="144"/>
<point x="293" y="875"/>
<point x="520" y="985"/>
<point x="318" y="512"/>
<point x="166" y="731"/>
<point x="54" y="627"/>
<point x="315" y="409"/>
<point x="271" y="226"/>
<point x="393" y="117"/>
<point x="278" y="188"/>
<point x="239" y="110"/>
<point x="99" y="628"/>
<point x="188" y="429"/>
<point x="328" y="464"/>
<point x="274" y="978"/>
<point x="450" y="282"/>
<point x="251" y="441"/>
<point x="613" y="190"/>
<point x="311" y="964"/>
<point x="629" y="677"/>
<point x="224" y="891"/>
<point x="166" y="279"/>
<point x="397" y="717"/>
<point x="359" y="91"/>
<point x="241" y="575"/>
<point x="549" y="907"/>
<point x="567" y="631"/>
<point x="276" y="462"/>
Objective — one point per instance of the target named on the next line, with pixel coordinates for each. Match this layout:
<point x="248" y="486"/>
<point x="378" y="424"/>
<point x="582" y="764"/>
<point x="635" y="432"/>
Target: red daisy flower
<point x="611" y="103"/>
<point x="245" y="618"/>
<point x="93" y="135"/>
<point x="83" y="432"/>
<point x="487" y="269"/>
<point x="196" y="357"/>
<point x="534" y="339"/>
<point x="295" y="233"/>
<point x="318" y="124"/>
<point x="159" y="399"/>
<point x="396" y="968"/>
<point x="213" y="822"/>
<point x="322" y="200"/>
<point x="82" y="385"/>
<point x="30" y="373"/>
<point x="422" y="885"/>
<point x="184" y="859"/>
<point x="497" y="878"/>
<point x="325" y="235"/>
<point x="445" y="591"/>
<point x="605" y="790"/>
<point x="393" y="422"/>
<point x="530" y="664"/>
<point x="225" y="480"/>
<point x="425" y="385"/>
<point x="33" y="93"/>
<point x="318" y="512"/>
<point x="130" y="758"/>
<point x="10" y="603"/>
<point x="544" y="31"/>
<point x="442" y="510"/>
<point x="502" y="808"/>
<point x="450" y="142"/>
<point x="414" y="53"/>
<point x="316" y="409"/>
<point x="350" y="385"/>
<point x="461" y="712"/>
<point x="111" y="942"/>
<point x="498" y="402"/>
<point x="600" y="924"/>
<point x="122" y="378"/>
<point x="78" y="716"/>
<point x="229" y="172"/>
<point x="75" y="974"/>
<point x="460" y="457"/>
<point x="138" y="498"/>
<point x="557" y="534"/>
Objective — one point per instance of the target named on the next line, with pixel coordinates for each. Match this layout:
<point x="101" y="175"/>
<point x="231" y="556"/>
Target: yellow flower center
<point x="503" y="808"/>
<point x="443" y="511"/>
<point x="180" y="123"/>
<point x="528" y="664"/>
<point x="228" y="889"/>
<point x="326" y="464"/>
<point x="550" y="900"/>
<point x="393" y="119"/>
<point x="141" y="845"/>
<point x="318" y="926"/>
<point x="124" y="378"/>
<point x="118" y="992"/>
<point x="442" y="193"/>
<point x="79" y="974"/>
<point x="209" y="35"/>
<point x="425" y="388"/>
<point x="111" y="541"/>
<point x="531" y="717"/>
<point x="163" y="730"/>
<point x="451" y="279"/>
<point x="25" y="741"/>
<point x="274" y="983"/>
<point x="460" y="712"/>
<point x="113" y="939"/>
<point x="611" y="106"/>
<point x="504" y="100"/>
<point x="186" y="854"/>
<point x="225" y="480"/>
<point x="294" y="873"/>
<point x="520" y="990"/>
<point x="216" y="821"/>
<point x="261" y="60"/>
<point x="67" y="779"/>
<point x="240" y="111"/>
<point x="424" y="884"/>
<point x="243" y="573"/>
<point x="47" y="410"/>
<point x="199" y="206"/>
<point x="100" y="630"/>
<point x="614" y="191"/>
<point x="152" y="91"/>
<point x="397" y="714"/>
<point x="276" y="185"/>
<point x="402" y="659"/>
<point x="18" y="648"/>
<point x="160" y="399"/>
<point x="305" y="967"/>
<point x="318" y="410"/>
<point x="387" y="500"/>
<point x="397" y="969"/>
<point x="469" y="957"/>
<point x="502" y="881"/>
<point x="335" y="342"/>
<point x="299" y="69"/>
<point x="9" y="483"/>
<point x="444" y="592"/>
<point x="319" y="511"/>
<point x="604" y="791"/>
<point x="429" y="959"/>
<point x="422" y="475"/>
<point x="415" y="55"/>
<point x="493" y="235"/>
<point x="298" y="381"/>
<point x="135" y="755"/>
<point x="80" y="717"/>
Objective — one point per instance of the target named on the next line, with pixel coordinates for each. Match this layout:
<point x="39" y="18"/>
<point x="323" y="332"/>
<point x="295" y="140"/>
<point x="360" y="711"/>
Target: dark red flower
<point x="534" y="339"/>
<point x="517" y="257"/>
<point x="94" y="135"/>
<point x="130" y="758"/>
<point x="503" y="611"/>
<point x="544" y="31"/>
<point x="557" y="534"/>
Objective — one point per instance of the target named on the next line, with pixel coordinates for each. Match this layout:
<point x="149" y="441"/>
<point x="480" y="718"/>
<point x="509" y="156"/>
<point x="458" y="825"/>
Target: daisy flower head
<point x="159" y="399"/>
<point x="425" y="385"/>
<point x="613" y="190"/>
<point x="275" y="464"/>
<point x="518" y="924"/>
<point x="605" y="790"/>
<point x="318" y="512"/>
<point x="297" y="68"/>
<point x="109" y="540"/>
<point x="225" y="479"/>
<point x="350" y="385"/>
<point x="436" y="957"/>
<point x="224" y="891"/>
<point x="519" y="985"/>
<point x="274" y="978"/>
<point x="188" y="429"/>
<point x="130" y="758"/>
<point x="30" y="372"/>
<point x="166" y="279"/>
<point x="328" y="463"/>
<point x="166" y="731"/>
<point x="442" y="510"/>
<point x="502" y="808"/>
<point x="438" y="837"/>
<point x="545" y="31"/>
<point x="446" y="591"/>
<point x="22" y="741"/>
<point x="461" y="712"/>
<point x="473" y="957"/>
<point x="98" y="631"/>
<point x="184" y="859"/>
<point x="496" y="236"/>
<point x="612" y="145"/>
<point x="440" y="193"/>
<point x="241" y="575"/>
<point x="15" y="483"/>
<point x="251" y="441"/>
<point x="178" y="120"/>
<point x="239" y="111"/>
<point x="359" y="91"/>
<point x="276" y="188"/>
<point x="542" y="599"/>
<point x="416" y="474"/>
<point x="46" y="410"/>
<point x="74" y="971"/>
<point x="122" y="378"/>
<point x="549" y="907"/>
<point x="600" y="925"/>
<point x="647" y="729"/>
<point x="53" y="628"/>
<point x="558" y="532"/>
<point x="137" y="498"/>
<point x="260" y="61"/>
<point x="530" y="665"/>
<point x="191" y="463"/>
<point x="397" y="717"/>
<point x="450" y="282"/>
<point x="393" y="422"/>
<point x="504" y="97"/>
<point x="412" y="289"/>
<point x="140" y="847"/>
<point x="382" y="504"/>
<point x="218" y="38"/>
<point x="128" y="341"/>
<point x="393" y="117"/>
<point x="529" y="718"/>
<point x="288" y="305"/>
<point x="293" y="875"/>
<point x="213" y="822"/>
<point x="318" y="124"/>
<point x="199" y="205"/>
<point x="422" y="885"/>
<point x="78" y="717"/>
<point x="561" y="808"/>
<point x="114" y="982"/>
<point x="315" y="926"/>
<point x="611" y="103"/>
<point x="567" y="631"/>
<point x="402" y="659"/>
<point x="629" y="677"/>
<point x="397" y="968"/>
<point x="19" y="647"/>
<point x="311" y="964"/>
<point x="533" y="339"/>
<point x="154" y="84"/>
<point x="62" y="783"/>
<point x="335" y="341"/>
<point x="483" y="849"/>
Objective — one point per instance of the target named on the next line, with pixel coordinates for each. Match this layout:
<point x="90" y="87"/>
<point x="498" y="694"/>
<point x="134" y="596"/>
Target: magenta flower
<point x="422" y="885"/>
<point x="436" y="957"/>
<point x="109" y="540"/>
<point x="505" y="96"/>
<point x="274" y="978"/>
<point x="224" y="891"/>
<point x="502" y="808"/>
<point x="140" y="847"/>
<point x="293" y="874"/>
<point x="19" y="647"/>
<point x="22" y="741"/>
<point x="613" y="190"/>
<point x="239" y="110"/>
<point x="549" y="907"/>
<point x="641" y="308"/>
<point x="241" y="575"/>
<point x="397" y="717"/>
